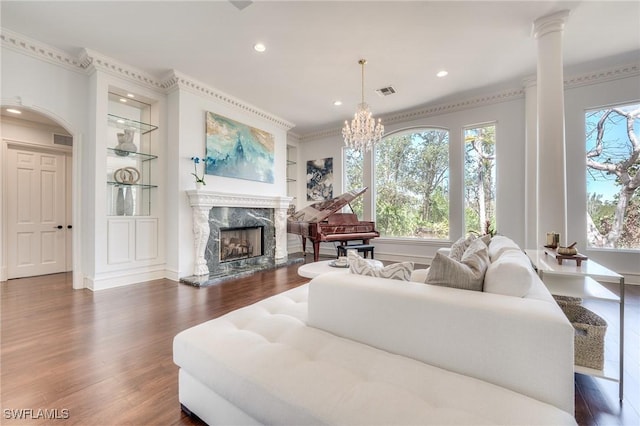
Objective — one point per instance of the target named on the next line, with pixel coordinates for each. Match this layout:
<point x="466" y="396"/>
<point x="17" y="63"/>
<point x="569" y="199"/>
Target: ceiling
<point x="313" y="47"/>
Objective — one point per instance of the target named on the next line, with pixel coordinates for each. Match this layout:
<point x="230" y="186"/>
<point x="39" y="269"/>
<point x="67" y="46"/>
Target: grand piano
<point x="320" y="222"/>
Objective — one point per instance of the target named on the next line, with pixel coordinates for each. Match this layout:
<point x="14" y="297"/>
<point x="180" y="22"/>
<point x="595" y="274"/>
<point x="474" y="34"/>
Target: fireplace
<point x="216" y="214"/>
<point x="241" y="243"/>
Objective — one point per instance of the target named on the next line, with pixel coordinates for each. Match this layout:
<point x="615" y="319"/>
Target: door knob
<point x="69" y="226"/>
<point x="57" y="227"/>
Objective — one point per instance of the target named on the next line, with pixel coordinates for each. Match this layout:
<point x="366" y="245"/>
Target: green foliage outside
<point x="354" y="178"/>
<point x="479" y="179"/>
<point x="411" y="180"/>
<point x="603" y="213"/>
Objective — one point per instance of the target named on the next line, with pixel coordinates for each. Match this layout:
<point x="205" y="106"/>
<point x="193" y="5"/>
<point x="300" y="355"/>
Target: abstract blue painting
<point x="238" y="151"/>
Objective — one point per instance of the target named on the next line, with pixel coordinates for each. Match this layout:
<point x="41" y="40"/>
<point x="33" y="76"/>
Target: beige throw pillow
<point x="467" y="274"/>
<point x="396" y="271"/>
<point x="459" y="247"/>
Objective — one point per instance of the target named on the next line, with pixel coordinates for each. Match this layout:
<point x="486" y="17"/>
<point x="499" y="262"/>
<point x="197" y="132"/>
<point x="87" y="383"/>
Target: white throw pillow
<point x="396" y="271"/>
<point x="467" y="274"/>
<point x="511" y="275"/>
<point x="499" y="244"/>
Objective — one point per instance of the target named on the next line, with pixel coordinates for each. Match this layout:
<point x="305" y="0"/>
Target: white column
<point x="551" y="190"/>
<point x="531" y="163"/>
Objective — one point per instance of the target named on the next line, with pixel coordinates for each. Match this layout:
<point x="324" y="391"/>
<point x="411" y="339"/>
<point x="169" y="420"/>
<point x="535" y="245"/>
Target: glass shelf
<point x="125" y="123"/>
<point x="136" y="185"/>
<point x="131" y="154"/>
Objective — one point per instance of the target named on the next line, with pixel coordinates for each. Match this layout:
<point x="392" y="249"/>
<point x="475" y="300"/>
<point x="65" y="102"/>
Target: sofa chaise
<point x="352" y="349"/>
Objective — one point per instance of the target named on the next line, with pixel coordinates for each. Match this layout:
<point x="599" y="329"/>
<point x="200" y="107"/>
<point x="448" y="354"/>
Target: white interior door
<point x="36" y="204"/>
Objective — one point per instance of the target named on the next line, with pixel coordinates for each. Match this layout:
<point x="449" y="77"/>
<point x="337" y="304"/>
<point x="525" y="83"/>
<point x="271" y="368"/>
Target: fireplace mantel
<point x="205" y="198"/>
<point x="202" y="201"/>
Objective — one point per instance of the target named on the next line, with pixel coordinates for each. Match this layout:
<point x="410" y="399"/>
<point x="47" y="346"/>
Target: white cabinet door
<point x="36" y="216"/>
<point x="131" y="239"/>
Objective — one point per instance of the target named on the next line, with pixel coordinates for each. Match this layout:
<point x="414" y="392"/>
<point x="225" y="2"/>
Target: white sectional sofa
<point x="351" y="349"/>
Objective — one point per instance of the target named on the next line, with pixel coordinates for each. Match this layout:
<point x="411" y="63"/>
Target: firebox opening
<point x="241" y="243"/>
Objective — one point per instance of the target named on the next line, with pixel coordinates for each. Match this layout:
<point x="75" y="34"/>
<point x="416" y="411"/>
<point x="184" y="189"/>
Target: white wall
<point x="61" y="94"/>
<point x="187" y="139"/>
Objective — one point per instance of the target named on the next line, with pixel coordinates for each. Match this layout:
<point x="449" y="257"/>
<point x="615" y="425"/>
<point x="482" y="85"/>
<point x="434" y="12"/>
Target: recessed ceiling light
<point x="14" y="111"/>
<point x="123" y="100"/>
<point x="130" y="95"/>
<point x="259" y="47"/>
<point x="442" y="73"/>
<point x="337" y="103"/>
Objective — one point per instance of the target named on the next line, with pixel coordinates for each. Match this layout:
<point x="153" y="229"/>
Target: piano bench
<point x="362" y="248"/>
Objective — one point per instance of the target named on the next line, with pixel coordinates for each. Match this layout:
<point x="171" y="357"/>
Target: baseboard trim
<point x="123" y="278"/>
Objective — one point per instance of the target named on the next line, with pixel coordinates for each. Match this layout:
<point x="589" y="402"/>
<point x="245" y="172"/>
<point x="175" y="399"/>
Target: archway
<point x="45" y="146"/>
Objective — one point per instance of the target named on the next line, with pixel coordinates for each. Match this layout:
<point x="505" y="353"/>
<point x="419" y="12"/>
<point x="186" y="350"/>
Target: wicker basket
<point x="567" y="299"/>
<point x="589" y="335"/>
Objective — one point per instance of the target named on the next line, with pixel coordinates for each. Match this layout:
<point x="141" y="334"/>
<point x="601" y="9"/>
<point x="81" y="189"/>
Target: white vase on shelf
<point x="120" y="201"/>
<point x="128" y="202"/>
<point x="125" y="143"/>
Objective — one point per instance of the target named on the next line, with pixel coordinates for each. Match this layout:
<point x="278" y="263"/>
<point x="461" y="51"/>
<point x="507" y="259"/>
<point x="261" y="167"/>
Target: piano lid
<point x="317" y="212"/>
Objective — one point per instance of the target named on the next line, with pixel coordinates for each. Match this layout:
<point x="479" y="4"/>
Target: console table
<point x="568" y="279"/>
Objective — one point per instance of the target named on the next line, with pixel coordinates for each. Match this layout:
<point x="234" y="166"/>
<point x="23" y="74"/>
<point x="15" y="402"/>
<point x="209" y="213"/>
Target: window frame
<point x="370" y="158"/>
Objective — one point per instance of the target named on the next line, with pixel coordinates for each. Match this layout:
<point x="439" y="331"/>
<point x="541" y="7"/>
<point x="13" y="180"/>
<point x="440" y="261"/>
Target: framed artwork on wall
<point x="237" y="150"/>
<point x="320" y="179"/>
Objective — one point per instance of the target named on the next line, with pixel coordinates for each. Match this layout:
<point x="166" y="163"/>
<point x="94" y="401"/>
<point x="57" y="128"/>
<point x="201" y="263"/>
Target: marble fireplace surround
<point x="202" y="201"/>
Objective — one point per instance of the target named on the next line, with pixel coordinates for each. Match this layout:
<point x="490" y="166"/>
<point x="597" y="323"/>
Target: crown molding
<point x="489" y="99"/>
<point x="604" y="75"/>
<point x="424" y="112"/>
<point x="177" y="80"/>
<point x="91" y="60"/>
<point x="594" y="77"/>
<point x="19" y="43"/>
<point x="321" y="134"/>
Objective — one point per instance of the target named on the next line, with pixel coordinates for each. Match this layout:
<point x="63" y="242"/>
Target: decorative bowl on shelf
<point x="568" y="251"/>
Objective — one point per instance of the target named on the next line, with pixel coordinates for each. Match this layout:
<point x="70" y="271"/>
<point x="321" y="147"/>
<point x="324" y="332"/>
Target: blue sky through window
<point x="616" y="132"/>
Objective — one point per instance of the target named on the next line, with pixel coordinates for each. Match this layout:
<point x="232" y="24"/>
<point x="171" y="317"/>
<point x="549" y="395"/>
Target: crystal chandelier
<point x="363" y="132"/>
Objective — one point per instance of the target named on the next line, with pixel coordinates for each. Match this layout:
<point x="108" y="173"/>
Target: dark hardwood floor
<point x="105" y="358"/>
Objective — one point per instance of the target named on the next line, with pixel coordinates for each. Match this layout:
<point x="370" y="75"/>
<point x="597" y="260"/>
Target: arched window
<point x="411" y="182"/>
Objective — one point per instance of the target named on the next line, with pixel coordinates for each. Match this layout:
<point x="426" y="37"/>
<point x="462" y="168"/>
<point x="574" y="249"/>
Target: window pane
<point x="411" y="181"/>
<point x="354" y="178"/>
<point x="613" y="177"/>
<point x="480" y="179"/>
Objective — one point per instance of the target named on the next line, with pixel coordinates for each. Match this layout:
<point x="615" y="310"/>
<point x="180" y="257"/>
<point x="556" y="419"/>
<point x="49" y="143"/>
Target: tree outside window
<point x="480" y="179"/>
<point x="411" y="181"/>
<point x="354" y="177"/>
<point x="613" y="177"/>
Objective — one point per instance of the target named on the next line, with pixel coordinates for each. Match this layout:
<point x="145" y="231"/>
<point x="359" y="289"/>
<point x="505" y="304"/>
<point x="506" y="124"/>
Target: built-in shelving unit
<point x="129" y="162"/>
<point x="131" y="154"/>
<point x="292" y="177"/>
